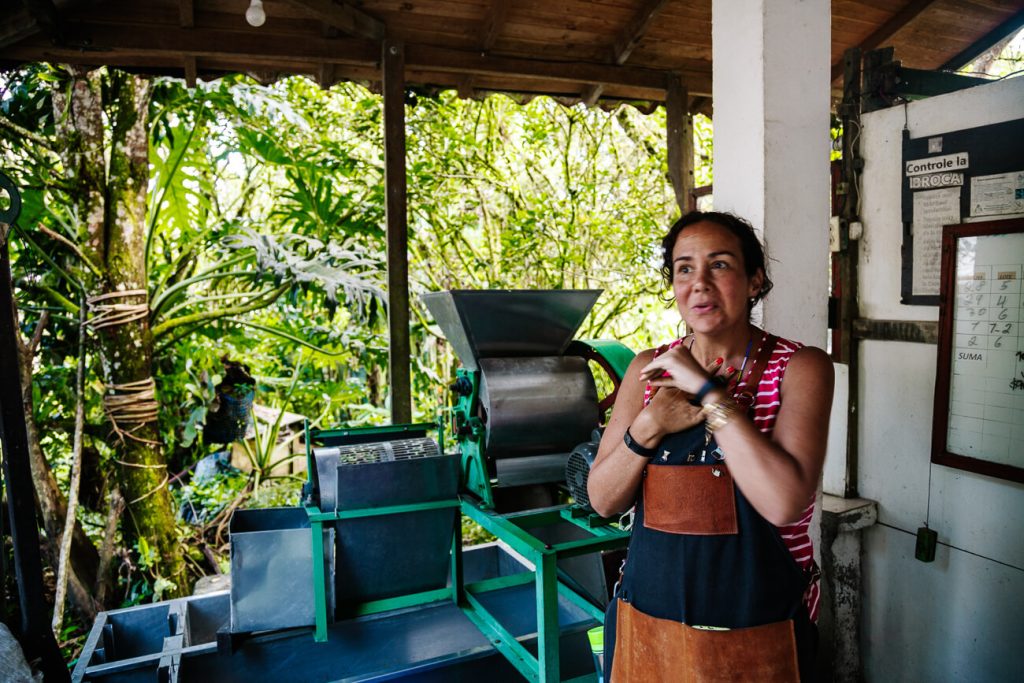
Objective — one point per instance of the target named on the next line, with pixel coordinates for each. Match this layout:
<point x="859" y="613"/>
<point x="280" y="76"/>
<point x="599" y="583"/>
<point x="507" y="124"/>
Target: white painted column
<point x="771" y="135"/>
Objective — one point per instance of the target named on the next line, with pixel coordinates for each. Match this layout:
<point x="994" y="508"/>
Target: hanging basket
<point x="231" y="421"/>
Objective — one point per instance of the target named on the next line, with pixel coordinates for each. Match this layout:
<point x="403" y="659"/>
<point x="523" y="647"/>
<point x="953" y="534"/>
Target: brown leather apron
<point x="699" y="499"/>
<point x="648" y="649"/>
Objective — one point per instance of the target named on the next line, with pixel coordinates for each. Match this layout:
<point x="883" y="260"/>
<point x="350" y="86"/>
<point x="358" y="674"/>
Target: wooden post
<point x="393" y="61"/>
<point x="679" y="126"/>
<point x="846" y="259"/>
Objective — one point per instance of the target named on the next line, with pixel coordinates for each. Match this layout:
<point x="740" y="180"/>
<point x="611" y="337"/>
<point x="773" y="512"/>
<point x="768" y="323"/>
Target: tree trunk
<point x="127" y="347"/>
<point x="53" y="505"/>
<point x="84" y="560"/>
<point x="111" y="205"/>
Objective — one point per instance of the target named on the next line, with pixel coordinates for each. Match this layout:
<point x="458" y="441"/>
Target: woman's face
<point x="709" y="278"/>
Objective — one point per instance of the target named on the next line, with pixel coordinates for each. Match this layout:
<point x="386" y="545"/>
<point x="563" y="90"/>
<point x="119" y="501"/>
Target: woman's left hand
<point x="675" y="368"/>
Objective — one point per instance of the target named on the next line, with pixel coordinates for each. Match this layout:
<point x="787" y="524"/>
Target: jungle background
<point x="201" y="267"/>
<point x="227" y="240"/>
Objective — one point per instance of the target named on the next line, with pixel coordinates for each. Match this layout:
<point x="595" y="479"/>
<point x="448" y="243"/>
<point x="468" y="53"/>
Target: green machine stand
<point x="525" y="396"/>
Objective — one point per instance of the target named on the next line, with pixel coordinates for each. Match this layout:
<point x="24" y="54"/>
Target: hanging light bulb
<point x="255" y="14"/>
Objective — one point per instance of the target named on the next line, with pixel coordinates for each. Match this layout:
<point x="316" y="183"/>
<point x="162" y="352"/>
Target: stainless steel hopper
<point x="525" y="396"/>
<point x="505" y="323"/>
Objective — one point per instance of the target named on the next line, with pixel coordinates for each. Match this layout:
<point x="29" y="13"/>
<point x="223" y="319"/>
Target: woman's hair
<point x="753" y="251"/>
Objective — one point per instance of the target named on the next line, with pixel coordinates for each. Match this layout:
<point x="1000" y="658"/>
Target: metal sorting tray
<point x="272" y="569"/>
<point x="132" y="644"/>
<point x="175" y="641"/>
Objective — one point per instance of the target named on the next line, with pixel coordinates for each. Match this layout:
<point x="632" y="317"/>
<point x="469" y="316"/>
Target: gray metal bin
<point x="272" y="569"/>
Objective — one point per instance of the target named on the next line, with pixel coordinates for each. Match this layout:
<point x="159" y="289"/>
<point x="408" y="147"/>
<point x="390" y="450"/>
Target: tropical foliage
<point x="262" y="242"/>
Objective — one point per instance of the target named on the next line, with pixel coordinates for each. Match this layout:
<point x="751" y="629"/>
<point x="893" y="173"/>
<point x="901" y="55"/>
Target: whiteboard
<point x="980" y="385"/>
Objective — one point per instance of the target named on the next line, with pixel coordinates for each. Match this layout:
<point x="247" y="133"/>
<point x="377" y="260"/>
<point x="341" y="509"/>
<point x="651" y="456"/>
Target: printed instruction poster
<point x="998" y="194"/>
<point x="932" y="210"/>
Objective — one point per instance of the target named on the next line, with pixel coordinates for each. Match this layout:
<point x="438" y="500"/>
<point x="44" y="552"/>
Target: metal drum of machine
<point x="525" y="395"/>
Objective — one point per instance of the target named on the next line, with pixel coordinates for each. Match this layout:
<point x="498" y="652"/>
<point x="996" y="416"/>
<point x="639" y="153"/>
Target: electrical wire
<point x="954" y="547"/>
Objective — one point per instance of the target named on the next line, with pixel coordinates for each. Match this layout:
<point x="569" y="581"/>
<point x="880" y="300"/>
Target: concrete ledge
<point x="848" y="514"/>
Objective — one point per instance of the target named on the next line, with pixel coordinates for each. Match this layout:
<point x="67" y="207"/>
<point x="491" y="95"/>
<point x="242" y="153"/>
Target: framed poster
<point x="978" y="422"/>
<point x="953" y="177"/>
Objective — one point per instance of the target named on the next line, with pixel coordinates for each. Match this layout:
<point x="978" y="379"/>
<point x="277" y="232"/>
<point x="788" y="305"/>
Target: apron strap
<point x="764" y="354"/>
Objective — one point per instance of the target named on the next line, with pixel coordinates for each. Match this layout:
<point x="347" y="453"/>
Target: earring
<point x="679" y="332"/>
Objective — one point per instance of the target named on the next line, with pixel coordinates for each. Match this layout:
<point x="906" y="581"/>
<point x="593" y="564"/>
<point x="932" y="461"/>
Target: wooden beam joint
<point x="345" y="17"/>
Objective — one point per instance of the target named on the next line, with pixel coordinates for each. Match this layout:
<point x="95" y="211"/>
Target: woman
<point x="718" y="440"/>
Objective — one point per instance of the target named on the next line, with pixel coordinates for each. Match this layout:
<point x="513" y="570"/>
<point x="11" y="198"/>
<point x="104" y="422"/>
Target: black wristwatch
<point x="632" y="445"/>
<point x="712" y="383"/>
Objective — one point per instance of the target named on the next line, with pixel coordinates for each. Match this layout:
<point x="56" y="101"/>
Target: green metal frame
<point x="511" y="529"/>
<point x="317" y="518"/>
<point x="469" y="431"/>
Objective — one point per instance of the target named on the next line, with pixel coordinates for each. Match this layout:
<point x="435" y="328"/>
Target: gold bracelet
<point x="718" y="413"/>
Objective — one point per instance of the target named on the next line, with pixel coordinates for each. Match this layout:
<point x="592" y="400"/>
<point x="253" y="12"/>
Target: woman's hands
<point x="678" y="368"/>
<point x="670" y="411"/>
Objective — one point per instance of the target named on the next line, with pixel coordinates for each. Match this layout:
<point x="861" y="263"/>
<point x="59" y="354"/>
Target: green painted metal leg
<point x="457" y="578"/>
<point x="547" y="619"/>
<point x="319" y="583"/>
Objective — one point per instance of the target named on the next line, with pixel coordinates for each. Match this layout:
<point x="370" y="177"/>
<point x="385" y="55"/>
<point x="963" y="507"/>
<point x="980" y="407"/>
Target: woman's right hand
<point x="670" y="411"/>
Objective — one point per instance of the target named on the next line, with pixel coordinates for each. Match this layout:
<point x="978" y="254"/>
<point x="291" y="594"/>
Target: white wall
<point x="960" y="618"/>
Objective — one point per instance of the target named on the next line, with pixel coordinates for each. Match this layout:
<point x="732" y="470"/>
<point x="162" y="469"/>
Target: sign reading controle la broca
<point x="943" y="164"/>
<point x="926" y="182"/>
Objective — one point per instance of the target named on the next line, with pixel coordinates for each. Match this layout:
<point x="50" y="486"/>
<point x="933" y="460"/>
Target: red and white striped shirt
<point x="765" y="411"/>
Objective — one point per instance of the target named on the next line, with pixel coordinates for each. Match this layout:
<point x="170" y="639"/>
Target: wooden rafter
<point x="635" y="30"/>
<point x="626" y="42"/>
<point x="886" y="30"/>
<point x="344" y="17"/>
<point x="159" y="44"/>
<point x="986" y="42"/>
<point x="186" y="13"/>
<point x="47" y="17"/>
<point x="493" y="23"/>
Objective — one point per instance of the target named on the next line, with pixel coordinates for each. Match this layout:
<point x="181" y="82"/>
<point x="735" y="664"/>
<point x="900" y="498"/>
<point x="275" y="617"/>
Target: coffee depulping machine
<point x="373" y="559"/>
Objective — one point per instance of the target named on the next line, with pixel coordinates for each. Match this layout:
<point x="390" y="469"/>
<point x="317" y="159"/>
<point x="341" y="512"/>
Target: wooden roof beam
<point x="986" y="42"/>
<point x="344" y="17"/>
<point x="494" y="21"/>
<point x="186" y="13"/>
<point x="626" y="43"/>
<point x="46" y="15"/>
<point x="886" y="30"/>
<point x="116" y="43"/>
